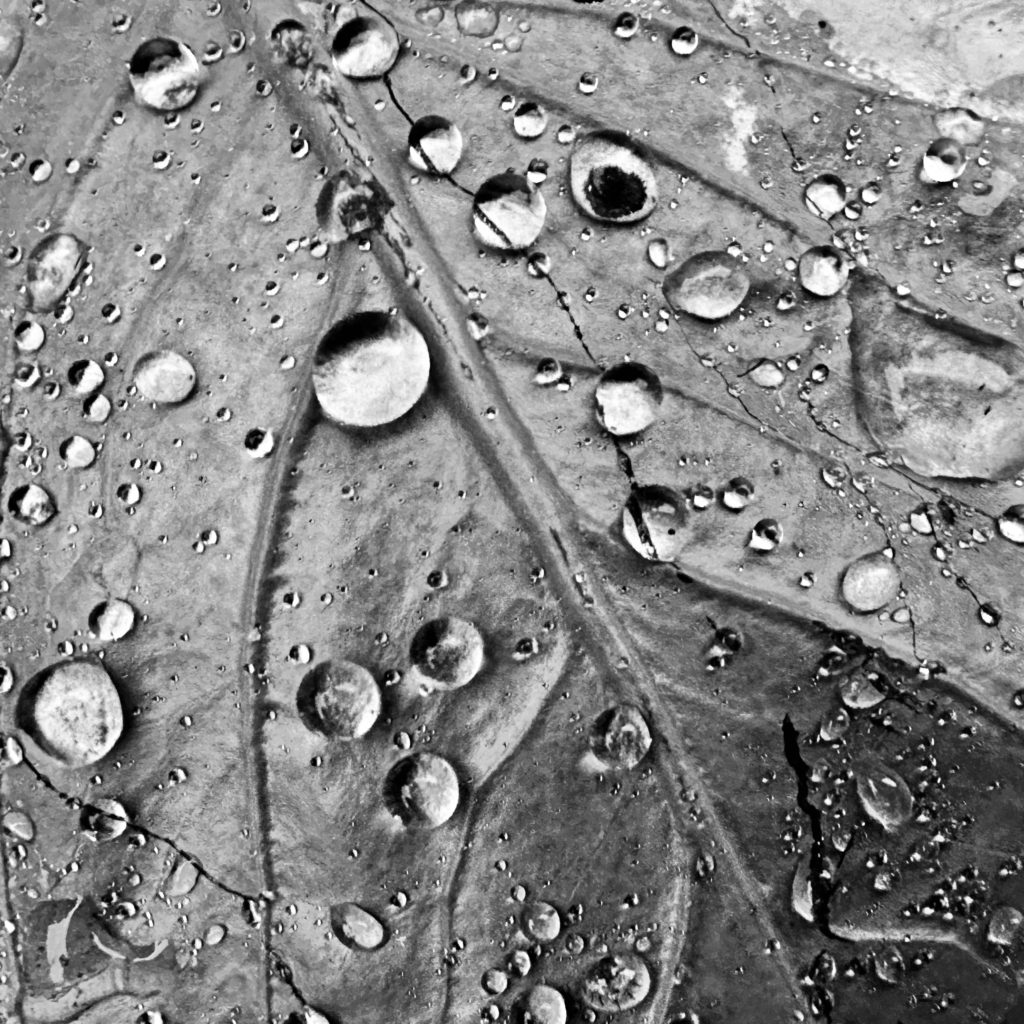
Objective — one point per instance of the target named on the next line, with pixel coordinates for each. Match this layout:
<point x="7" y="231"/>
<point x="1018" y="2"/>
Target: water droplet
<point x="96" y="409"/>
<point x="77" y="451"/>
<point x="541" y="921"/>
<point x="1011" y="524"/>
<point x="870" y="583"/>
<point x="422" y="790"/>
<point x="884" y="795"/>
<point x="626" y="25"/>
<point x="826" y="196"/>
<point x="357" y="928"/>
<point x="616" y="983"/>
<point x="259" y="443"/>
<point x="684" y="41"/>
<point x="621" y="737"/>
<point x="508" y="213"/>
<point x="11" y="41"/>
<point x="29" y="336"/>
<point x="1003" y="926"/>
<point x="31" y="504"/>
<point x="475" y="18"/>
<point x="709" y="286"/>
<point x="834" y="725"/>
<point x="164" y="74"/>
<point x="86" y="376"/>
<point x="350" y="207"/>
<point x="628" y="396"/>
<point x="164" y="377"/>
<point x="944" y="161"/>
<point x="654" y="523"/>
<point x="659" y="252"/>
<point x="364" y="47"/>
<point x="371" y="368"/>
<point x="766" y="535"/>
<point x="611" y="178"/>
<point x="339" y="699"/>
<point x="889" y="965"/>
<point x="544" y="1005"/>
<point x="73" y="712"/>
<point x="435" y="145"/>
<point x="112" y="620"/>
<point x="549" y="371"/>
<point x="767" y="373"/>
<point x="19" y="825"/>
<point x="494" y="981"/>
<point x="823" y="270"/>
<point x="529" y="120"/>
<point x="858" y="692"/>
<point x="737" y="494"/>
<point x="292" y="43"/>
<point x="183" y="878"/>
<point x="446" y="654"/>
<point x="103" y="819"/>
<point x="51" y="269"/>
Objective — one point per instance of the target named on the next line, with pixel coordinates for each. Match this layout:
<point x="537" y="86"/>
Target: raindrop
<point x="349" y="207"/>
<point x="96" y="409"/>
<point x="77" y="451"/>
<point x="628" y="396"/>
<point x="259" y="443"/>
<point x="858" y="691"/>
<point x="29" y="336"/>
<point x="823" y="270"/>
<point x="588" y="83"/>
<point x="18" y="823"/>
<point x="616" y="983"/>
<point x="626" y="25"/>
<point x="165" y="74"/>
<point x="611" y="178"/>
<point x="541" y="921"/>
<point x="475" y="18"/>
<point x="31" y="504"/>
<point x="766" y="535"/>
<point x="549" y="371"/>
<point x="835" y="725"/>
<point x="86" y="376"/>
<point x="1011" y="524"/>
<point x="889" y="965"/>
<point x="339" y="699"/>
<point x="870" y="583"/>
<point x="508" y="213"/>
<point x="767" y="373"/>
<point x="621" y="737"/>
<point x="709" y="286"/>
<point x="544" y="1005"/>
<point x="826" y="196"/>
<point x="494" y="981"/>
<point x="659" y="252"/>
<point x="684" y="41"/>
<point x="73" y="712"/>
<point x="944" y="161"/>
<point x="884" y="795"/>
<point x="164" y="377"/>
<point x="364" y="47"/>
<point x="737" y="494"/>
<point x="654" y="521"/>
<point x="112" y="620"/>
<point x="435" y="145"/>
<point x="960" y="124"/>
<point x="446" y="654"/>
<point x="357" y="928"/>
<point x="529" y="120"/>
<point x="51" y="269"/>
<point x="422" y="790"/>
<point x="370" y="369"/>
<point x="103" y="819"/>
<point x="183" y="878"/>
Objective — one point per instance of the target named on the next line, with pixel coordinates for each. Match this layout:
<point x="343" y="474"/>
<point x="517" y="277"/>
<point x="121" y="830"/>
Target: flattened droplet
<point x="164" y="74"/>
<point x="73" y="712"/>
<point x="357" y="928"/>
<point x="51" y="270"/>
<point x="31" y="504"/>
<point x="961" y="124"/>
<point x="339" y="699"/>
<point x="112" y="620"/>
<point x="611" y="178"/>
<point x="370" y="369"/>
<point x="435" y="145"/>
<point x="364" y="47"/>
<point x="544" y="1005"/>
<point x="826" y="196"/>
<point x="508" y="213"/>
<point x="1011" y="524"/>
<point x="422" y="790"/>
<point x="870" y="583"/>
<point x="944" y="161"/>
<point x="447" y="653"/>
<point x="11" y="41"/>
<point x="884" y="795"/>
<point x="621" y="737"/>
<point x="823" y="270"/>
<point x="627" y="397"/>
<point x="541" y="921"/>
<point x="709" y="285"/>
<point x="616" y="983"/>
<point x="475" y="18"/>
<point x="654" y="523"/>
<point x="165" y="377"/>
<point x="350" y="207"/>
<point x="183" y="878"/>
<point x="529" y="120"/>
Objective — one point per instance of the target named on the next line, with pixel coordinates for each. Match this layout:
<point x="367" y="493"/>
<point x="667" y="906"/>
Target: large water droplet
<point x="616" y="983"/>
<point x="944" y="161"/>
<point x="541" y="921"/>
<point x="654" y="522"/>
<point x="628" y="396"/>
<point x="508" y="213"/>
<point x="611" y="178"/>
<point x="371" y="368"/>
<point x="357" y="928"/>
<point x="31" y="504"/>
<point x="684" y="41"/>
<point x="544" y="1005"/>
<point x="103" y="819"/>
<point x="165" y="377"/>
<point x="826" y="196"/>
<point x="51" y="270"/>
<point x="435" y="145"/>
<point x="350" y="207"/>
<point x="1004" y="925"/>
<point x="858" y="691"/>
<point x="529" y="120"/>
<point x="73" y="712"/>
<point x="621" y="737"/>
<point x="112" y="620"/>
<point x="884" y="795"/>
<point x="165" y="74"/>
<point x="475" y="18"/>
<point x="823" y="270"/>
<point x="870" y="583"/>
<point x="1011" y="524"/>
<point x="364" y="47"/>
<point x="339" y="699"/>
<point x="446" y="654"/>
<point x="77" y="451"/>
<point x="422" y="790"/>
<point x="765" y="536"/>
<point x="709" y="285"/>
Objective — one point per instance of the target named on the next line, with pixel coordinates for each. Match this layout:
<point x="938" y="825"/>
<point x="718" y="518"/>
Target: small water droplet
<point x="164" y="74"/>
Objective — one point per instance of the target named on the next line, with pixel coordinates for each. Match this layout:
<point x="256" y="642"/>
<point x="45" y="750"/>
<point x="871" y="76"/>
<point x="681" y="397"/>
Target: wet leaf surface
<point x="492" y="680"/>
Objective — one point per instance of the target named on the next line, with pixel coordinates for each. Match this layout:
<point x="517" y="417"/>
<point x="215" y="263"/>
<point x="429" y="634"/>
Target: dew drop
<point x="628" y="397"/>
<point x="611" y="178"/>
<point x="616" y="983"/>
<point x="51" y="269"/>
<point x="435" y="145"/>
<point x="422" y="790"/>
<point x="1011" y="524"/>
<point x="944" y="161"/>
<point x="654" y="523"/>
<point x="364" y="47"/>
<point x="884" y="795"/>
<point x="709" y="286"/>
<point x="621" y="737"/>
<point x="870" y="583"/>
<point x="765" y="536"/>
<point x="339" y="699"/>
<point x="164" y="74"/>
<point x="737" y="494"/>
<point x="356" y="927"/>
<point x="110" y="620"/>
<point x="77" y="451"/>
<point x="31" y="504"/>
<point x="475" y="18"/>
<point x="684" y="41"/>
<point x="350" y="207"/>
<point x="826" y="196"/>
<point x="508" y="213"/>
<point x="164" y="377"/>
<point x="446" y="654"/>
<point x="823" y="270"/>
<point x="103" y="820"/>
<point x="529" y="120"/>
<point x="544" y="1005"/>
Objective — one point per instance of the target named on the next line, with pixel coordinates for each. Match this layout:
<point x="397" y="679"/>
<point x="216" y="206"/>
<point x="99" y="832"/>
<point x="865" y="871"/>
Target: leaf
<point x="255" y="539"/>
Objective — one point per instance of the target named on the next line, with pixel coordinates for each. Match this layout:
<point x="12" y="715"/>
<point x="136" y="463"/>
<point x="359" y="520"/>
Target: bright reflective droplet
<point x="826" y="196"/>
<point x="627" y="25"/>
<point x="86" y="376"/>
<point x="508" y="213"/>
<point x="77" y="451"/>
<point x="654" y="523"/>
<point x="823" y="270"/>
<point x="370" y="369"/>
<point x="1011" y="524"/>
<point x="737" y="494"/>
<point x="710" y="286"/>
<point x="621" y="737"/>
<point x="884" y="795"/>
<point x="768" y="373"/>
<point x="51" y="269"/>
<point x="627" y="397"/>
<point x="446" y="654"/>
<point x="541" y="921"/>
<point x="339" y="699"/>
<point x="611" y="178"/>
<point x="349" y="207"/>
<point x="73" y="712"/>
<point x="422" y="790"/>
<point x="858" y="691"/>
<point x="944" y="161"/>
<point x="165" y="377"/>
<point x="529" y="120"/>
<point x="870" y="583"/>
<point x="616" y="983"/>
<point x="544" y="1005"/>
<point x="659" y="252"/>
<point x="357" y="928"/>
<point x="29" y="336"/>
<point x="164" y="74"/>
<point x="765" y="536"/>
<point x="435" y="145"/>
<point x="292" y="43"/>
<point x="475" y="18"/>
<point x="112" y="620"/>
<point x="259" y="443"/>
<point x="31" y="504"/>
<point x="364" y="47"/>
